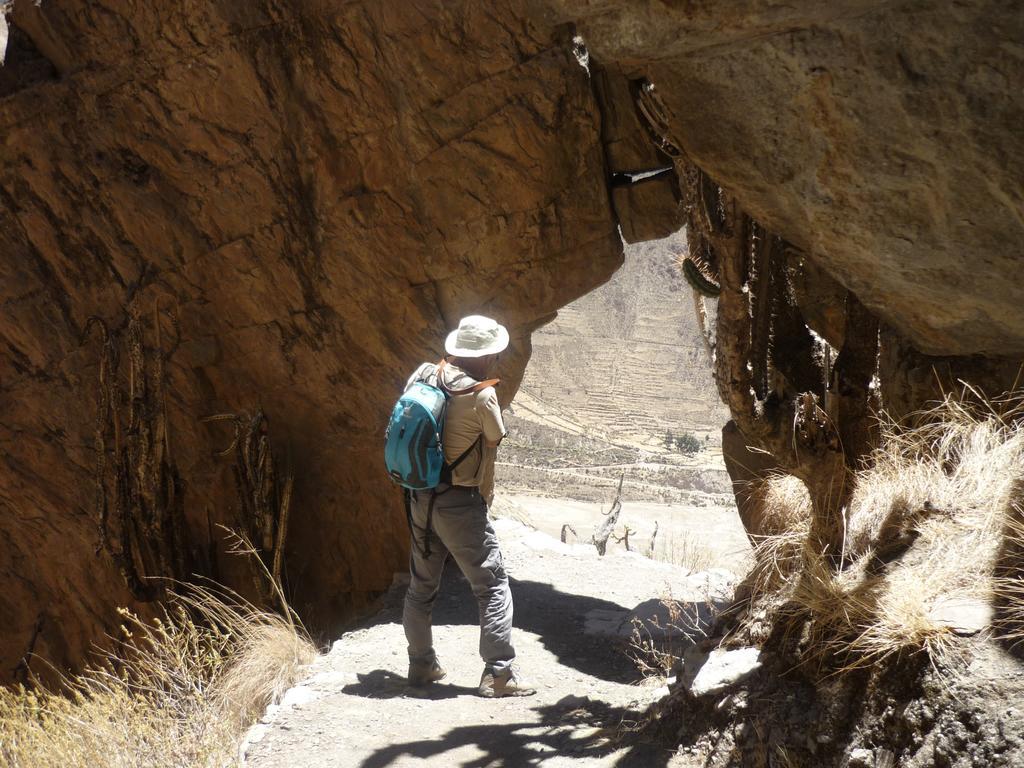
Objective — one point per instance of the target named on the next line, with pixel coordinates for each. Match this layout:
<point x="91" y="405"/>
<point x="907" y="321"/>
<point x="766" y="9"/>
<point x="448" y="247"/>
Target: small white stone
<point x="963" y="615"/>
<point x="3" y="33"/>
<point x="298" y="696"/>
<point x="721" y="669"/>
<point x="331" y="678"/>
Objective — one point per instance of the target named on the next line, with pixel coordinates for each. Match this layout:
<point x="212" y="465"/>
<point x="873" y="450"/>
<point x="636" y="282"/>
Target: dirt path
<point x="572" y="622"/>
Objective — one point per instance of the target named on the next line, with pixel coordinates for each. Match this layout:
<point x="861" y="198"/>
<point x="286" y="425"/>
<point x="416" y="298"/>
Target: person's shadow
<point x="558" y="618"/>
<point x="574" y="727"/>
<point x="383" y="684"/>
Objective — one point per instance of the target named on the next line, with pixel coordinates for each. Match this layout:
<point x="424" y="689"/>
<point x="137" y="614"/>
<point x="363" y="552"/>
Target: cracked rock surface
<point x="296" y="202"/>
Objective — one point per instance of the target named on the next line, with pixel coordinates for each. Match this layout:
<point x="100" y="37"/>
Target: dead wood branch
<point x="624" y="538"/>
<point x="139" y="496"/>
<point x="604" y="532"/>
<point x="700" y="309"/>
<point x="264" y="496"/>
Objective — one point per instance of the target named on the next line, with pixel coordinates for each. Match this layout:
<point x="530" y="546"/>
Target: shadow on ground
<point x="576" y="727"/>
<point x="383" y="684"/>
<point x="557" y="617"/>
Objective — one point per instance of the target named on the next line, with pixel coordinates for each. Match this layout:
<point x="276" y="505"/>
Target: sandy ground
<point x="573" y="614"/>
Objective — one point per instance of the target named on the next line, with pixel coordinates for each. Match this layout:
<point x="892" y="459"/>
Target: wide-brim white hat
<point x="476" y="336"/>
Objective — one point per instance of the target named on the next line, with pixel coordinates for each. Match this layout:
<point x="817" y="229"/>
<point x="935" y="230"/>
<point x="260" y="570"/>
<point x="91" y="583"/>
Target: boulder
<point x="881" y="139"/>
<point x="707" y="673"/>
<point x="648" y="209"/>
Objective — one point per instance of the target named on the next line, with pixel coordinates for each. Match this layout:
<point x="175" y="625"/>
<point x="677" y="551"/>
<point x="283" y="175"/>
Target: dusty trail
<point x="572" y="621"/>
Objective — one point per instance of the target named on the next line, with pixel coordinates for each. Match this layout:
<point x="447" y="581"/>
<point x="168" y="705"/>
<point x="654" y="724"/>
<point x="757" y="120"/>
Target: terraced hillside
<point x="627" y="361"/>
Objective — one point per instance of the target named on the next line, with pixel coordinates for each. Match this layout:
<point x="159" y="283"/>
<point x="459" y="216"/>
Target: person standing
<point x="451" y="520"/>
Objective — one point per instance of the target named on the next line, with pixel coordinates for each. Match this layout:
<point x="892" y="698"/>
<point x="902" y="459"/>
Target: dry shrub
<point x="653" y="648"/>
<point x="687" y="551"/>
<point x="177" y="691"/>
<point x="785" y="505"/>
<point x="656" y="646"/>
<point x="926" y="527"/>
<point x="926" y="523"/>
<point x="785" y="522"/>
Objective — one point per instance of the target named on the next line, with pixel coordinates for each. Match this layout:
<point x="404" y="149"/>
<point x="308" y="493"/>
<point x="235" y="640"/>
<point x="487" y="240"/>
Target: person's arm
<point x="493" y="429"/>
<point x="490" y="417"/>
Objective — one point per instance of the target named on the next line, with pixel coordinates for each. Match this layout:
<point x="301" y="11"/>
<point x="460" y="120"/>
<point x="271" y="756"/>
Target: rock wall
<point x="268" y="205"/>
<point x="876" y="144"/>
<point x="214" y="208"/>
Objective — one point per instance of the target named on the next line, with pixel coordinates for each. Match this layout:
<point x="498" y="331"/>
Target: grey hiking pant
<point x="460" y="530"/>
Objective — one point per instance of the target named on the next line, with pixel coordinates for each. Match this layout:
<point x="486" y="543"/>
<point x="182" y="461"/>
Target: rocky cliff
<point x="845" y="168"/>
<point x="879" y="136"/>
<point x="214" y="208"/>
<point x="628" y="359"/>
<point x="226" y="210"/>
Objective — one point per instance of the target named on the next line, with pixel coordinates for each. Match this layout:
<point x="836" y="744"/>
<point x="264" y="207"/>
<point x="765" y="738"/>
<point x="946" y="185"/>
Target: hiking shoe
<point x="425" y="672"/>
<point x="507" y="683"/>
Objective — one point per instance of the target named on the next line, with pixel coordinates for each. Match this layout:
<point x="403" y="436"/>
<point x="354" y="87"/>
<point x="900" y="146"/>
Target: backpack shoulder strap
<point x="422" y="374"/>
<point x="480" y="385"/>
<point x="465" y="453"/>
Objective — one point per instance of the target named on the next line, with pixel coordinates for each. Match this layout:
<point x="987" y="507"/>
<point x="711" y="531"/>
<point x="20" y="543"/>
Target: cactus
<point x="701" y="280"/>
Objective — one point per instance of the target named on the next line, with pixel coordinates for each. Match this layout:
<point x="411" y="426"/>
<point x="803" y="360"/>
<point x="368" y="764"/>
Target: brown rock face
<point x="221" y="208"/>
<point x="746" y="469"/>
<point x="265" y="205"/>
<point x="647" y="208"/>
<point x="880" y="138"/>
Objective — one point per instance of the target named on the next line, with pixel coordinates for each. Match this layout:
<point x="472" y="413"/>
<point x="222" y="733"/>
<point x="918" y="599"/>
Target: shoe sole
<point x="489" y="694"/>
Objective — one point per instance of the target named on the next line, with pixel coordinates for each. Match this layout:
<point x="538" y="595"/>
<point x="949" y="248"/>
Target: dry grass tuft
<point x="785" y="505"/>
<point x="929" y="546"/>
<point x="786" y="520"/>
<point x="926" y="525"/>
<point x="656" y="645"/>
<point x="1009" y="579"/>
<point x="177" y="691"/>
<point x="687" y="551"/>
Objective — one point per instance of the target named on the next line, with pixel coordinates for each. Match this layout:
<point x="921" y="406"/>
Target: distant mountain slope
<point x="627" y="359"/>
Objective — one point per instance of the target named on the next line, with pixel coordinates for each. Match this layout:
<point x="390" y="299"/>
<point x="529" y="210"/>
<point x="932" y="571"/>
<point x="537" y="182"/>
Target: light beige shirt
<point x="468" y="417"/>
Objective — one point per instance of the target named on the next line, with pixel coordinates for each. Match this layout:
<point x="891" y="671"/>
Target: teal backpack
<point x="414" y="439"/>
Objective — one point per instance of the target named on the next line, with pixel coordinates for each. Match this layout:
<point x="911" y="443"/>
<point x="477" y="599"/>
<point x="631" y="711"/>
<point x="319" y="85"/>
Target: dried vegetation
<point x="933" y="551"/>
<point x="177" y="691"/>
